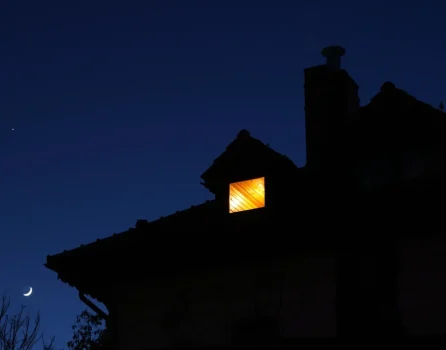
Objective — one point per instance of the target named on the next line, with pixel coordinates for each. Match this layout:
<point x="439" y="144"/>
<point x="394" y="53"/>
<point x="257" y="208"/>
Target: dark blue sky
<point x="118" y="109"/>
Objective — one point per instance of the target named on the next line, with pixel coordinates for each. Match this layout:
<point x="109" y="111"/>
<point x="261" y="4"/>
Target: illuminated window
<point x="247" y="195"/>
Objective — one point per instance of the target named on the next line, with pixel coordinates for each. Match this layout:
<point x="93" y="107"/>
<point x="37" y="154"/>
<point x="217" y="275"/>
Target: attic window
<point x="247" y="195"/>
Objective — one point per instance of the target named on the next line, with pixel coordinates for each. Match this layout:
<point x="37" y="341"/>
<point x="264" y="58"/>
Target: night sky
<point x="117" y="109"/>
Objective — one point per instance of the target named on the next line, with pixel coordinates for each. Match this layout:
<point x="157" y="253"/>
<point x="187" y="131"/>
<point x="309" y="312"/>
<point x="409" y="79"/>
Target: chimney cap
<point x="333" y="51"/>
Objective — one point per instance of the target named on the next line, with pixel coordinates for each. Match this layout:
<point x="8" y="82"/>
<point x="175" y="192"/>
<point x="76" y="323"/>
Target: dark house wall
<point x="289" y="298"/>
<point x="422" y="284"/>
<point x="390" y="166"/>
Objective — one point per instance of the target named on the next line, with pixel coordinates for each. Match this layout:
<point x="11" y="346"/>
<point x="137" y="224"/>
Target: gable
<point x="394" y="116"/>
<point x="245" y="158"/>
<point x="397" y="137"/>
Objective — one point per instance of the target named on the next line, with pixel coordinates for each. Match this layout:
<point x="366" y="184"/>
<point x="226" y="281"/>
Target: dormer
<point x="248" y="175"/>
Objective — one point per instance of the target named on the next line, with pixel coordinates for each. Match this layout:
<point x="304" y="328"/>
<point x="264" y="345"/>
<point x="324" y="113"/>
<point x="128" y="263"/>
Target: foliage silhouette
<point x="20" y="331"/>
<point x="89" y="332"/>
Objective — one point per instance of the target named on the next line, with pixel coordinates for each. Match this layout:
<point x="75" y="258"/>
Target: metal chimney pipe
<point x="333" y="56"/>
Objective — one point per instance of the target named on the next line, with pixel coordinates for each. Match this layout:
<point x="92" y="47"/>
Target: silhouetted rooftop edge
<point x="244" y="136"/>
<point x="205" y="215"/>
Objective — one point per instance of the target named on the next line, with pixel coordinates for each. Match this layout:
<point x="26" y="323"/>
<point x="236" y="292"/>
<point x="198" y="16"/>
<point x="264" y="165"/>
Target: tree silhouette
<point x="20" y="331"/>
<point x="89" y="332"/>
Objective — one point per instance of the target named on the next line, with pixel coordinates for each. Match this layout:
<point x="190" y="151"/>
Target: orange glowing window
<point x="247" y="195"/>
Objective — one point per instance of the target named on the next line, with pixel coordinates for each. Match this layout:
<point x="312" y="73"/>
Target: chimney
<point x="331" y="103"/>
<point x="333" y="56"/>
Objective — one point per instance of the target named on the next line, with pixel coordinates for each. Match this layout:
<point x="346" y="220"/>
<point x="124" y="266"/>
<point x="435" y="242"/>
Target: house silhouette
<point x="366" y="258"/>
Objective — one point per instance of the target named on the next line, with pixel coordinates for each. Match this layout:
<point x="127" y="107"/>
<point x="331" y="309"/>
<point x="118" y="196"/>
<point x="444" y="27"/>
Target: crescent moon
<point x="29" y="293"/>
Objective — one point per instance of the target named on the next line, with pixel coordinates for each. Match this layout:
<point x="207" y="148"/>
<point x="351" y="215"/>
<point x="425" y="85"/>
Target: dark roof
<point x="206" y="209"/>
<point x="395" y="119"/>
<point x="245" y="153"/>
<point x="177" y="231"/>
<point x="201" y="237"/>
<point x="74" y="266"/>
<point x="242" y="145"/>
<point x="206" y="233"/>
<point x="166" y="246"/>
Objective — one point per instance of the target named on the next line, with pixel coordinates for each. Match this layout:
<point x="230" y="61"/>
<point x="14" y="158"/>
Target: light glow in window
<point x="247" y="195"/>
